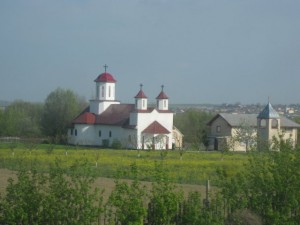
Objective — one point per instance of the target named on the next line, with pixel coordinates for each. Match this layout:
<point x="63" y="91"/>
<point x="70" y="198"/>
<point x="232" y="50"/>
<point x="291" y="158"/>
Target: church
<point x="106" y="121"/>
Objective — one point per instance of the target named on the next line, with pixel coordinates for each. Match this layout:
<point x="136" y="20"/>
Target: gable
<point x="156" y="128"/>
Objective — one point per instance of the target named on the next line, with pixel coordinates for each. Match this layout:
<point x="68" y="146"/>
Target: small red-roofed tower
<point x="162" y="100"/>
<point x="141" y="100"/>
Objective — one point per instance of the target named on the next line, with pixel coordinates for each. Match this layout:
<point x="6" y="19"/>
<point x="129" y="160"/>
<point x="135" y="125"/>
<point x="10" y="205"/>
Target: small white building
<point x="106" y="121"/>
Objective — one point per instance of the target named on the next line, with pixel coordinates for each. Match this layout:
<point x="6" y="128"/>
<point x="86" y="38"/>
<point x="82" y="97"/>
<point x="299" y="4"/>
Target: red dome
<point x="105" y="77"/>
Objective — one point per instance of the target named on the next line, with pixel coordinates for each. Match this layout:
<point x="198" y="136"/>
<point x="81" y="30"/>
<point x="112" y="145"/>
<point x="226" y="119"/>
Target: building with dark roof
<point x="240" y="132"/>
<point x="137" y="126"/>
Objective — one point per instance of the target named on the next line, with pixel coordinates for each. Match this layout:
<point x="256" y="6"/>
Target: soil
<point x="103" y="183"/>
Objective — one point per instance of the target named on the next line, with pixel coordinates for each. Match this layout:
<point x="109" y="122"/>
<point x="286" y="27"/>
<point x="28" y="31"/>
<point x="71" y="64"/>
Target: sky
<point x="202" y="51"/>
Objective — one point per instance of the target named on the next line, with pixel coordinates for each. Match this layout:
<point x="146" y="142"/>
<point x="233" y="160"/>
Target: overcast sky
<point x="203" y="51"/>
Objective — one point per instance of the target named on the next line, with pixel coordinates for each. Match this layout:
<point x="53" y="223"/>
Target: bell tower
<point x="268" y="125"/>
<point x="162" y="100"/>
<point x="105" y="92"/>
<point x="141" y="100"/>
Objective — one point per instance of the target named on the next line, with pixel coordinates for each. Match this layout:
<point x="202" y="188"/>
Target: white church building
<point x="106" y="121"/>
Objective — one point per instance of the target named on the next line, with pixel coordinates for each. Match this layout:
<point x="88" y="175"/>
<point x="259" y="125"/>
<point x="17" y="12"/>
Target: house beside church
<point x="106" y="121"/>
<point x="240" y="132"/>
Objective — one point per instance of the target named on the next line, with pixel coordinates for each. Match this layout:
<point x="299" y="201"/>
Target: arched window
<point x="102" y="91"/>
<point x="100" y="133"/>
<point x="274" y="123"/>
<point x="263" y="123"/>
<point x="109" y="91"/>
<point x="75" y="132"/>
<point x="110" y="134"/>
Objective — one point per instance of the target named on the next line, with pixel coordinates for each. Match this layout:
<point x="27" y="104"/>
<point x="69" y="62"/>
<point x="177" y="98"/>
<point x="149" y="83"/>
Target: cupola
<point x="141" y="100"/>
<point x="105" y="86"/>
<point x="162" y="100"/>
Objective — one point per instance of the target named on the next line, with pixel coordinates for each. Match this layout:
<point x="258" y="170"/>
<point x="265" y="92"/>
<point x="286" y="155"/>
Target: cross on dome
<point x="105" y="67"/>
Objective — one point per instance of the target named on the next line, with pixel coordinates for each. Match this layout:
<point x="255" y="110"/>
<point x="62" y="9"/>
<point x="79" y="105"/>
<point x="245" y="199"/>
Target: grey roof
<point x="268" y="112"/>
<point x="236" y="120"/>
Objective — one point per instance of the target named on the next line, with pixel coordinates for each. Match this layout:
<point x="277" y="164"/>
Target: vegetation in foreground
<point x="264" y="191"/>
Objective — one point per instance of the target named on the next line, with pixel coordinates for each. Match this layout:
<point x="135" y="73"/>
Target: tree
<point x="192" y="124"/>
<point x="165" y="201"/>
<point x="61" y="107"/>
<point x="246" y="134"/>
<point x="126" y="202"/>
<point x="268" y="186"/>
<point x="64" y="196"/>
<point x="21" y="119"/>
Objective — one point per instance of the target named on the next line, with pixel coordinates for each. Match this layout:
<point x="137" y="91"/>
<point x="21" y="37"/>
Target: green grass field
<point x="191" y="168"/>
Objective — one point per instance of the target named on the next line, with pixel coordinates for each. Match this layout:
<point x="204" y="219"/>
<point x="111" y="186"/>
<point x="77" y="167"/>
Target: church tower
<point x="162" y="100"/>
<point x="105" y="93"/>
<point x="141" y="100"/>
<point x="268" y="125"/>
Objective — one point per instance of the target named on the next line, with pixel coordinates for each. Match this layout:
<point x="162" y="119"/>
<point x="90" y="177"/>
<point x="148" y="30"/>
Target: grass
<point x="191" y="168"/>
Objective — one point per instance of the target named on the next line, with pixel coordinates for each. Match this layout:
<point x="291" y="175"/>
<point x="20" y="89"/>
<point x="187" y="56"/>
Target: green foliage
<point x="192" y="124"/>
<point x="192" y="209"/>
<point x="21" y="119"/>
<point x="268" y="186"/>
<point x="116" y="144"/>
<point x="62" y="197"/>
<point x="61" y="106"/>
<point x="164" y="199"/>
<point x="126" y="203"/>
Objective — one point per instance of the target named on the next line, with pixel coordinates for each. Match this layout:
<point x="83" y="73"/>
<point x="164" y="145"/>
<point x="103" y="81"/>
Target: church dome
<point x="106" y="78"/>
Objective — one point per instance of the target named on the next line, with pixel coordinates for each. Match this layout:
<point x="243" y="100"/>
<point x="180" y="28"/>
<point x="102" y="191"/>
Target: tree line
<point x="48" y="119"/>
<point x="52" y="118"/>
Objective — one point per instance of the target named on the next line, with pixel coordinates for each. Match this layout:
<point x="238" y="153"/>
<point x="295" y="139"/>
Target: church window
<point x="165" y="103"/>
<point x="109" y="91"/>
<point x="218" y="129"/>
<point x="75" y="132"/>
<point x="274" y="123"/>
<point x="263" y="123"/>
<point x="99" y="133"/>
<point x="97" y="90"/>
<point x="143" y="103"/>
<point x="102" y="91"/>
<point x="110" y="134"/>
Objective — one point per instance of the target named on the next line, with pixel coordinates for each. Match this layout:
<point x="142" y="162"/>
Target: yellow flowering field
<point x="186" y="168"/>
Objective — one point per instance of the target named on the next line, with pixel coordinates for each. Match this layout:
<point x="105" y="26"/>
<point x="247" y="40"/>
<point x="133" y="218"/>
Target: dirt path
<point x="104" y="183"/>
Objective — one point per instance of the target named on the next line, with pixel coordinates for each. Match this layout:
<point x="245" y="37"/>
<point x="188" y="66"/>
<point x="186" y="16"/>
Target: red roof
<point x="85" y="118"/>
<point x="156" y="128"/>
<point x="141" y="94"/>
<point x="115" y="114"/>
<point x="105" y="77"/>
<point x="162" y="95"/>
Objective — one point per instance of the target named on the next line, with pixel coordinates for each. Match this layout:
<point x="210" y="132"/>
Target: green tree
<point x="126" y="202"/>
<point x="268" y="187"/>
<point x="192" y="124"/>
<point x="61" y="107"/>
<point x="246" y="134"/>
<point x="64" y="196"/>
<point x="165" y="201"/>
<point x="21" y="119"/>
